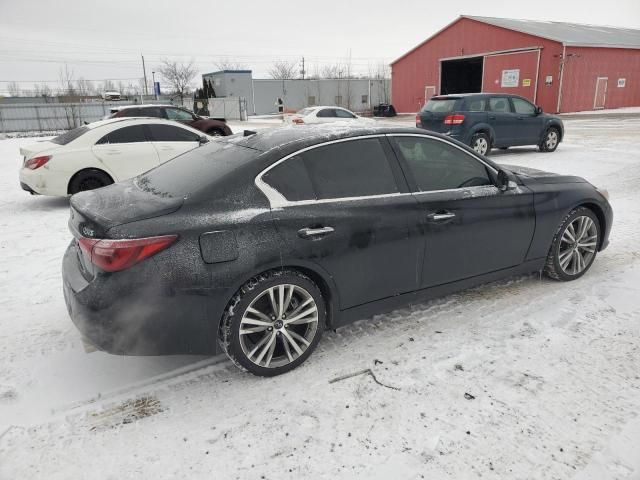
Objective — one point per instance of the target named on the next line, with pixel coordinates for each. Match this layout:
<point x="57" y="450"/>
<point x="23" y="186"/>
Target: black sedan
<point x="255" y="244"/>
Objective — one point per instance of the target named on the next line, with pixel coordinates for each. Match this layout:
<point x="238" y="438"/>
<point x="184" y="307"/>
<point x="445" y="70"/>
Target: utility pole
<point x="144" y="72"/>
<point x="303" y="71"/>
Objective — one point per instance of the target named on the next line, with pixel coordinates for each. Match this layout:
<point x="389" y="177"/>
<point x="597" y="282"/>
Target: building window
<point x="365" y="98"/>
<point x="338" y="100"/>
<point x="311" y="100"/>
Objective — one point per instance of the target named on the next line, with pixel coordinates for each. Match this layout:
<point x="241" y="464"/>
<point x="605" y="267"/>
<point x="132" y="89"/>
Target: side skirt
<point x="385" y="305"/>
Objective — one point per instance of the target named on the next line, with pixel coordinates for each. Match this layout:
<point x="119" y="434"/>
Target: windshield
<point x="440" y="105"/>
<point x="196" y="170"/>
<point x="69" y="136"/>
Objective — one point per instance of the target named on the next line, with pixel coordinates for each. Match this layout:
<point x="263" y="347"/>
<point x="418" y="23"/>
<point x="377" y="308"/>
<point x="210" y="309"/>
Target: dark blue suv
<point x="491" y="120"/>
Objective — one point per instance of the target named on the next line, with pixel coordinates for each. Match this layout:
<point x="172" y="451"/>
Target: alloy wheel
<point x="551" y="139"/>
<point x="278" y="326"/>
<point x="481" y="145"/>
<point x="578" y="245"/>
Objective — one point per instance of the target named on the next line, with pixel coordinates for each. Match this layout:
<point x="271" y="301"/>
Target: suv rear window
<point x="440" y="105"/>
<point x="70" y="136"/>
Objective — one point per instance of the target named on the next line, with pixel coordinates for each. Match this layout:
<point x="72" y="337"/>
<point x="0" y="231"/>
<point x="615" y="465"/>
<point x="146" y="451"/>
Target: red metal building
<point x="563" y="67"/>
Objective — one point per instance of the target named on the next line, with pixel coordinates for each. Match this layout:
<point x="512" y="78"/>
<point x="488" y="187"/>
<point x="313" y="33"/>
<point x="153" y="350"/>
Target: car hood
<point x="531" y="175"/>
<point x="117" y="204"/>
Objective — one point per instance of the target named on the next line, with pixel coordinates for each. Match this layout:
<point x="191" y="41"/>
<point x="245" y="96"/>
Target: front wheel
<point x="273" y="323"/>
<point x="550" y="140"/>
<point x="89" y="180"/>
<point x="215" y="133"/>
<point x="574" y="245"/>
<point x="481" y="143"/>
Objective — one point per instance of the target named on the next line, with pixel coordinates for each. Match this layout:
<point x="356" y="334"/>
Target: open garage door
<point x="461" y="76"/>
<point x="512" y="72"/>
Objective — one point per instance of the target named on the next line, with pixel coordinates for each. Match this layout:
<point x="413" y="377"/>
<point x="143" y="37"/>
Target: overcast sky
<point x="104" y="40"/>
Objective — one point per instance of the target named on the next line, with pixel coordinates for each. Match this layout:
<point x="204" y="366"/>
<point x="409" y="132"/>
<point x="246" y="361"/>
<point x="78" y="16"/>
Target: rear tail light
<point x="455" y="119"/>
<point x="418" y="121"/>
<point x="116" y="255"/>
<point x="297" y="121"/>
<point x="36" y="162"/>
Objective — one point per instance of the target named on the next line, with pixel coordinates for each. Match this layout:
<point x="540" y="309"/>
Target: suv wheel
<point x="550" y="140"/>
<point x="481" y="143"/>
<point x="273" y="323"/>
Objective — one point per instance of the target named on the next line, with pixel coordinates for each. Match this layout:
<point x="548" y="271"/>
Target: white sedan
<point x="102" y="153"/>
<point x="313" y="115"/>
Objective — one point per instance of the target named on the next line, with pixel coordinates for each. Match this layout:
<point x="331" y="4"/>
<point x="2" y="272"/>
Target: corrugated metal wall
<point x="52" y="117"/>
<point x="526" y="63"/>
<point x="421" y="67"/>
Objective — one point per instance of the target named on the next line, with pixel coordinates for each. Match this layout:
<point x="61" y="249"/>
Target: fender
<point x="552" y="122"/>
<point x="480" y="127"/>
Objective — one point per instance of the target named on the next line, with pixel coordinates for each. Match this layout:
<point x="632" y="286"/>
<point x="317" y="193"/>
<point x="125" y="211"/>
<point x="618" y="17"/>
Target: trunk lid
<point x="30" y="151"/>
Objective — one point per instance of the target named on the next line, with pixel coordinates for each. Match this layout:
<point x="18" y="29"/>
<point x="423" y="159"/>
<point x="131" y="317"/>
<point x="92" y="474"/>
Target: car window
<point x="129" y="112"/>
<point x="523" y="107"/>
<point x="343" y="114"/>
<point x="177" y="114"/>
<point x="291" y="179"/>
<point x="499" y="104"/>
<point x="131" y="134"/>
<point x="440" y="105"/>
<point x="349" y="169"/>
<point x="476" y="105"/>
<point x="151" y="112"/>
<point x="169" y="133"/>
<point x="70" y="136"/>
<point x="326" y="112"/>
<point x="436" y="165"/>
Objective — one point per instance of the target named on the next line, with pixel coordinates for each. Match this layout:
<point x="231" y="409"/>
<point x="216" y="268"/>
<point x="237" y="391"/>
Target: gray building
<point x="262" y="94"/>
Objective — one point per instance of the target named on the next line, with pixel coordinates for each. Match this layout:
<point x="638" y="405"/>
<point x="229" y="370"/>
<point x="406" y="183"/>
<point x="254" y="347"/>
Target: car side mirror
<point x="203" y="139"/>
<point x="505" y="181"/>
<point x="538" y="110"/>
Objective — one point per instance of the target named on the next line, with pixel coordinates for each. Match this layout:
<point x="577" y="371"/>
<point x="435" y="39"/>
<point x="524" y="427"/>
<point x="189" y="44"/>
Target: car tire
<point x="550" y="140"/>
<point x="255" y="331"/>
<point x="215" y="132"/>
<point x="574" y="246"/>
<point x="89" y="180"/>
<point x="481" y="143"/>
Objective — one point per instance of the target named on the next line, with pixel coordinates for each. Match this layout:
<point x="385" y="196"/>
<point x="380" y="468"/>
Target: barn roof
<point x="570" y="34"/>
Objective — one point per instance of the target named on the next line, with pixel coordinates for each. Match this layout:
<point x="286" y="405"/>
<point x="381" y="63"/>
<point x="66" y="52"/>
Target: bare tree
<point x="14" y="89"/>
<point x="69" y="95"/>
<point x="283" y="70"/>
<point x="179" y="76"/>
<point x="84" y="87"/>
<point x="381" y="75"/>
<point x="226" y="64"/>
<point x="46" y="92"/>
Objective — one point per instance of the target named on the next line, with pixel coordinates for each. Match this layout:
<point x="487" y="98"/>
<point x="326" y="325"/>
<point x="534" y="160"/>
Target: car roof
<point x="134" y="120"/>
<point x="146" y="105"/>
<point x="453" y="96"/>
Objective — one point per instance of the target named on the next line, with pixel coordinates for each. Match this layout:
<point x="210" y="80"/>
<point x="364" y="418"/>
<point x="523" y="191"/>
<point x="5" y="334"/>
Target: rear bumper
<point x="122" y="313"/>
<point x="42" y="182"/>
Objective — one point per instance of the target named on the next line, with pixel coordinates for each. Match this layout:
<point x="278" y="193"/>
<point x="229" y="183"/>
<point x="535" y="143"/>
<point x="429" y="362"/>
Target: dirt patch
<point x="127" y="412"/>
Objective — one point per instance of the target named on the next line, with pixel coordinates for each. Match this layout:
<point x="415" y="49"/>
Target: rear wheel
<point x="273" y="323"/>
<point x="214" y="132"/>
<point x="89" y="180"/>
<point x="574" y="245"/>
<point x="481" y="143"/>
<point x="550" y="140"/>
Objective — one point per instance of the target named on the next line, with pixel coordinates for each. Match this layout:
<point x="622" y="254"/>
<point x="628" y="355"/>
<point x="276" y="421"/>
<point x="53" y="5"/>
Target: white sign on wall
<point x="622" y="82"/>
<point x="510" y="78"/>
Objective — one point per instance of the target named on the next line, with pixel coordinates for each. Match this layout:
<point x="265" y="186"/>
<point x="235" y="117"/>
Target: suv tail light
<point x="297" y="120"/>
<point x="36" y="162"/>
<point x="455" y="119"/>
<point x="418" y="120"/>
<point x="116" y="255"/>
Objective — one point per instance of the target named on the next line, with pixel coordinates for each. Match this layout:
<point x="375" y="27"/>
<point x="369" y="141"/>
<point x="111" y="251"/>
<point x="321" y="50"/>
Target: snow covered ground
<point x="521" y="379"/>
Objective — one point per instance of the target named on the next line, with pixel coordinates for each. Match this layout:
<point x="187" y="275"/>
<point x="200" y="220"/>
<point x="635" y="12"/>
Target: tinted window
<point x="499" y="104"/>
<point x="327" y="112"/>
<point x="291" y="179"/>
<point x="151" y="112"/>
<point x="350" y="169"/>
<point x="440" y="105"/>
<point x="168" y="133"/>
<point x="476" y="105"/>
<point x="436" y="165"/>
<point x="69" y="136"/>
<point x="176" y="114"/>
<point x="196" y="171"/>
<point x="523" y="107"/>
<point x="129" y="112"/>
<point x="343" y="114"/>
<point x="132" y="134"/>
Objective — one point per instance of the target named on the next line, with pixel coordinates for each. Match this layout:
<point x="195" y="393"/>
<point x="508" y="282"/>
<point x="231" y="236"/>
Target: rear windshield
<point x="196" y="170"/>
<point x="70" y="136"/>
<point x="440" y="105"/>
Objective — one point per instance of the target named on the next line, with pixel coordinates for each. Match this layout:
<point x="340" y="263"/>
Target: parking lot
<point x="524" y="378"/>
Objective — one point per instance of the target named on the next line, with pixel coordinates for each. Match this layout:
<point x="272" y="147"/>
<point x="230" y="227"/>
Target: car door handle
<point x="440" y="216"/>
<point x="315" y="232"/>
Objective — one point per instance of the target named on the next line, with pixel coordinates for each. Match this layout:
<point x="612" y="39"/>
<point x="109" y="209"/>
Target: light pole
<point x="155" y="93"/>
